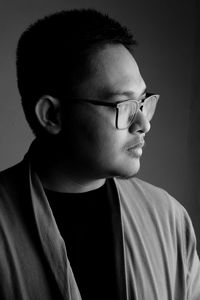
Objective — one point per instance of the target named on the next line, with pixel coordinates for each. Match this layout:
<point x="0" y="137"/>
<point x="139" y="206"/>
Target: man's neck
<point x="58" y="182"/>
<point x="62" y="177"/>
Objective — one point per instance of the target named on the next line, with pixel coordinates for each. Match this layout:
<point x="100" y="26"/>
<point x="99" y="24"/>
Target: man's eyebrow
<point x="129" y="94"/>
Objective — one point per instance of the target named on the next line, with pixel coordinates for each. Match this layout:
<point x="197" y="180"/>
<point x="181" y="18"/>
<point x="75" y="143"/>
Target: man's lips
<point x="135" y="144"/>
<point x="135" y="149"/>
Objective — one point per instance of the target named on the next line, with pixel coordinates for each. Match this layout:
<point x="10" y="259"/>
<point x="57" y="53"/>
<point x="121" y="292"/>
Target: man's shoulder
<point x="11" y="174"/>
<point x="141" y="201"/>
<point x="147" y="194"/>
<point x="13" y="181"/>
<point x="138" y="185"/>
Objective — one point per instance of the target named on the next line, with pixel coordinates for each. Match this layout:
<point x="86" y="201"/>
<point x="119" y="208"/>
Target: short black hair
<point x="52" y="54"/>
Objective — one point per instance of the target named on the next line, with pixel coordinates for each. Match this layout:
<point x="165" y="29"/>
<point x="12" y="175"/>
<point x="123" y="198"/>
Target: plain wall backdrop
<point x="167" y="33"/>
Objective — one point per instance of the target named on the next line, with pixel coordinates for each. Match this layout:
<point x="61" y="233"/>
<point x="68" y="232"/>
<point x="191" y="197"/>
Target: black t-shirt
<point x="84" y="221"/>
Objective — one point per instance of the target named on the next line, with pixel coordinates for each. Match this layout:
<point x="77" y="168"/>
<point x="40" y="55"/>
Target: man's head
<point x="68" y="59"/>
<point x="53" y="55"/>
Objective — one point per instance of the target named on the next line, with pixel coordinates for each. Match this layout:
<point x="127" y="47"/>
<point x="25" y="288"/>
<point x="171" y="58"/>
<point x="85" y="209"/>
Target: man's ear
<point x="48" y="114"/>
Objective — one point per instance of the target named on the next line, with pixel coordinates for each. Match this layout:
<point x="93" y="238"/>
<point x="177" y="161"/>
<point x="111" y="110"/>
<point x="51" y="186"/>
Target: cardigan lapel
<point x="51" y="240"/>
<point x="118" y="234"/>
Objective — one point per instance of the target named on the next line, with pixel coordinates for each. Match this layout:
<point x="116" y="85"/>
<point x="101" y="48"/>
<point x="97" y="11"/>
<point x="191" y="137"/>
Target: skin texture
<point x="88" y="146"/>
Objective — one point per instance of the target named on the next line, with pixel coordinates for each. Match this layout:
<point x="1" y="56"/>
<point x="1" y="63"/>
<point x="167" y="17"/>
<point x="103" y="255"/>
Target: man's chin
<point x="129" y="172"/>
<point x="127" y="176"/>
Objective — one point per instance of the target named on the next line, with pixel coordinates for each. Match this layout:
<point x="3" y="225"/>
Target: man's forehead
<point x="114" y="73"/>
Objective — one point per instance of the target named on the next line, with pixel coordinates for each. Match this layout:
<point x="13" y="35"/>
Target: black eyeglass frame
<point x="117" y="105"/>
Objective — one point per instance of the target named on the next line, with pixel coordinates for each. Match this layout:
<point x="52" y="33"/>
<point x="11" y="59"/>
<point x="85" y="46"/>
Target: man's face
<point x="93" y="144"/>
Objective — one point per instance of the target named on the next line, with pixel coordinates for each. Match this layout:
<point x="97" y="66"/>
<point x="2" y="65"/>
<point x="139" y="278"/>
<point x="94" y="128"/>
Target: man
<point x="75" y="223"/>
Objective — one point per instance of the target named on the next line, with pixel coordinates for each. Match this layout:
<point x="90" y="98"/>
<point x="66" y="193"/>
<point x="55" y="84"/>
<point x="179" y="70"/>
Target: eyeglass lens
<point x="149" y="107"/>
<point x="127" y="111"/>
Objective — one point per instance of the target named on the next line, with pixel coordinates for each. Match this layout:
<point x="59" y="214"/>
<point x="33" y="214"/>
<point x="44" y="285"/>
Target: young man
<point x="75" y="223"/>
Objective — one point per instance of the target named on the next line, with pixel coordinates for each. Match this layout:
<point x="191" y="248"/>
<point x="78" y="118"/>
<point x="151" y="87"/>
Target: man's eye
<point x="125" y="107"/>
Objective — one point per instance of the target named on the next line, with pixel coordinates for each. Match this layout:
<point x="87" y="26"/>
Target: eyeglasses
<point x="127" y="110"/>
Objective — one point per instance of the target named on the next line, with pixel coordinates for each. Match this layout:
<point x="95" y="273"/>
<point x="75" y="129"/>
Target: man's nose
<point x="140" y="123"/>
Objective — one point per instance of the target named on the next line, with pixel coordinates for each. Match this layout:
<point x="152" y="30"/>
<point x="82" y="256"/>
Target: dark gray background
<point x="168" y="36"/>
